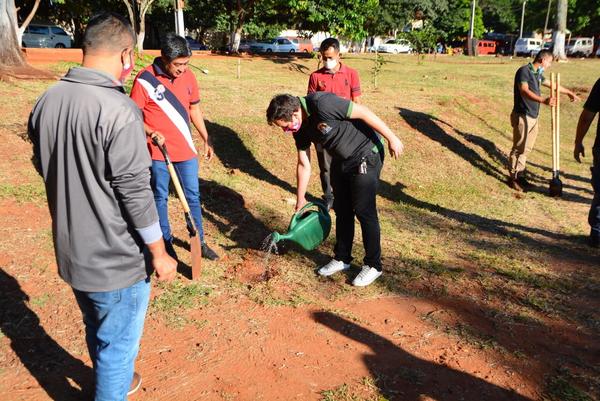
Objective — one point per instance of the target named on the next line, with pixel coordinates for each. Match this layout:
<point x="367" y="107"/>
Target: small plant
<point x="378" y="63"/>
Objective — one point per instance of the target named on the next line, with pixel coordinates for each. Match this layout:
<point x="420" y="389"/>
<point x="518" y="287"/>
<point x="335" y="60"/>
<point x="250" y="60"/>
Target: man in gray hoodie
<point x="89" y="144"/>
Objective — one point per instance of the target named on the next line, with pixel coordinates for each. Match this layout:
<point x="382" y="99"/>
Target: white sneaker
<point x="333" y="267"/>
<point x="366" y="276"/>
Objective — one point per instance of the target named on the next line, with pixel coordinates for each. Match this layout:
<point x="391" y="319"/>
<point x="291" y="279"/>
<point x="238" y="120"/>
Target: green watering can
<point x="308" y="228"/>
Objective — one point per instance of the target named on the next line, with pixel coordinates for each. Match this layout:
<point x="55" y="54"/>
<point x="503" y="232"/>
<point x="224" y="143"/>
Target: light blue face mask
<point x="540" y="71"/>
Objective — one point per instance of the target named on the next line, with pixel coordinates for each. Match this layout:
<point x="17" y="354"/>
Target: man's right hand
<point x="550" y="101"/>
<point x="578" y="151"/>
<point x="157" y="138"/>
<point x="165" y="267"/>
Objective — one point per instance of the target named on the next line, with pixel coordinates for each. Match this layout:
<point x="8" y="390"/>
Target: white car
<point x="395" y="46"/>
<point x="277" y="45"/>
<point x="528" y="46"/>
<point x="582" y="47"/>
<point x="41" y="35"/>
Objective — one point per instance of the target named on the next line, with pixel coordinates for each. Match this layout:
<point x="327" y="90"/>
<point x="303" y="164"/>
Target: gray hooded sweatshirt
<point x="90" y="146"/>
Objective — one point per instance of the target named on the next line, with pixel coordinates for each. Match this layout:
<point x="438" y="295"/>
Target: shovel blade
<point x="196" y="249"/>
<point x="556" y="187"/>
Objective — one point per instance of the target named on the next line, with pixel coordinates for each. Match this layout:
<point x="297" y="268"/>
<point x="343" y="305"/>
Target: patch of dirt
<point x="25" y="72"/>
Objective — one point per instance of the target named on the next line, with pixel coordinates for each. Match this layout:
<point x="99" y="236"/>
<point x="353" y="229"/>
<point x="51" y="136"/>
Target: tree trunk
<point x="560" y="33"/>
<point x="10" y="48"/>
<point x="141" y="34"/>
<point x="236" y="37"/>
<point x="27" y="21"/>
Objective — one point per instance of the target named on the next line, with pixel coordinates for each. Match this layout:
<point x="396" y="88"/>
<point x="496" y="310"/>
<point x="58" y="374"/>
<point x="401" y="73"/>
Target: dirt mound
<point x="25" y="72"/>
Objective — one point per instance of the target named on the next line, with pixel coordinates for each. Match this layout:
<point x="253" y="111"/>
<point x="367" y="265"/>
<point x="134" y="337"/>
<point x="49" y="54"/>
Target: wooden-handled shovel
<point x="195" y="245"/>
<point x="556" y="186"/>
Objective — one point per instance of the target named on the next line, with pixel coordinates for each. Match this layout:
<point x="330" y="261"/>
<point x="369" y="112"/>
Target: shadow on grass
<point x="49" y="363"/>
<point x="402" y="376"/>
<point x="235" y="155"/>
<point x="430" y="126"/>
<point x="396" y="193"/>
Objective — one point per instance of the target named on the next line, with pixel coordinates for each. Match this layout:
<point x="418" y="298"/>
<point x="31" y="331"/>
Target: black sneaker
<point x="208" y="253"/>
<point x="170" y="250"/>
<point x="523" y="182"/>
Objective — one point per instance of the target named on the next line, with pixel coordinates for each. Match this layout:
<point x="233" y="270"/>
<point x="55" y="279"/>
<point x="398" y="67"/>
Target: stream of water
<point x="268" y="246"/>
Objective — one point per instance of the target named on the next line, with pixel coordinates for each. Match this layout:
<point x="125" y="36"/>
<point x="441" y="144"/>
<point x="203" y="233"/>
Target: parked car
<point x="245" y="45"/>
<point x="486" y="47"/>
<point x="395" y="46"/>
<point x="302" y="44"/>
<point x="580" y="47"/>
<point x="528" y="46"/>
<point x="277" y="45"/>
<point x="41" y="35"/>
<point x="194" y="44"/>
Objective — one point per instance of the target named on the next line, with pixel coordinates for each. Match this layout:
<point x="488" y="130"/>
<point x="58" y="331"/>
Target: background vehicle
<point x="528" y="46"/>
<point x="395" y="46"/>
<point x="244" y="46"/>
<point x="194" y="44"/>
<point x="486" y="47"/>
<point x="277" y="45"/>
<point x="40" y="35"/>
<point x="580" y="47"/>
<point x="302" y="44"/>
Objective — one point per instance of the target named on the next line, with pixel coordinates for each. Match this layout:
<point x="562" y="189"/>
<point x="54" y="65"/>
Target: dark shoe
<point x="594" y="239"/>
<point x="136" y="382"/>
<point x="522" y="181"/>
<point x="513" y="182"/>
<point x="170" y="250"/>
<point x="208" y="253"/>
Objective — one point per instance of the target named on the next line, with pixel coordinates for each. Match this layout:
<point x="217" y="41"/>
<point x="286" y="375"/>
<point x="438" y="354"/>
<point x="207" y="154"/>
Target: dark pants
<point x="594" y="215"/>
<point x="324" y="159"/>
<point x="355" y="196"/>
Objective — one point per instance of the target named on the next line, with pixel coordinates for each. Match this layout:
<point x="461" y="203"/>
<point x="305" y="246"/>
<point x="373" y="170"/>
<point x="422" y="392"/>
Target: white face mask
<point x="330" y="64"/>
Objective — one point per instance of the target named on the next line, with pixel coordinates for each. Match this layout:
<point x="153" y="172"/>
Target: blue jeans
<point x="187" y="171"/>
<point x="594" y="215"/>
<point x="114" y="321"/>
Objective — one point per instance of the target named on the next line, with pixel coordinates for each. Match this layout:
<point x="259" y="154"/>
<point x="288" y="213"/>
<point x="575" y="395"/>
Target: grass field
<point x="504" y="268"/>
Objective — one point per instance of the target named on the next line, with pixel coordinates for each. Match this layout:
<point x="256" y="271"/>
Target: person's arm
<point x="128" y="164"/>
<point x="362" y="112"/>
<point x="355" y="87"/>
<point x="572" y="96"/>
<point x="585" y="120"/>
<point x="302" y="177"/>
<point x="526" y="92"/>
<point x="312" y="84"/>
<point x="198" y="121"/>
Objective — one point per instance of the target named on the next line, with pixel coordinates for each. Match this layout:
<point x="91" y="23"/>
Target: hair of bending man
<point x="542" y="54"/>
<point x="174" y="46"/>
<point x="282" y="107"/>
<point x="107" y="32"/>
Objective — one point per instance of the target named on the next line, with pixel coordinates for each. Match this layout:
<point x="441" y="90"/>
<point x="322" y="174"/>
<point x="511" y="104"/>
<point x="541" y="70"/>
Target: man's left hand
<point x="573" y="97"/>
<point x="395" y="146"/>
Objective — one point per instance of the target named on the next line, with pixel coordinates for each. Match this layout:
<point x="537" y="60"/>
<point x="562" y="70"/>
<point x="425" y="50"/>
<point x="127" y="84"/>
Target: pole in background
<point x="179" y="25"/>
<point x="547" y="17"/>
<point x="470" y="49"/>
<point x="522" y="19"/>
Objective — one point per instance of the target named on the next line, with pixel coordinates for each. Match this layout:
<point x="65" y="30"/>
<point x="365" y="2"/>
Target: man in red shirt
<point x="338" y="79"/>
<point x="167" y="93"/>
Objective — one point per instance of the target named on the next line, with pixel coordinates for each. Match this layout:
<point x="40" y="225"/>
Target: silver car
<point x="277" y="45"/>
<point x="39" y="35"/>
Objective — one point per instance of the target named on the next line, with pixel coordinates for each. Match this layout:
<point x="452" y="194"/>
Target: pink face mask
<point x="293" y="129"/>
<point x="127" y="68"/>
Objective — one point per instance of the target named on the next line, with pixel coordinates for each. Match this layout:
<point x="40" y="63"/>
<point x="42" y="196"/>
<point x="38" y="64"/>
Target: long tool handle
<point x="557" y="118"/>
<point x="195" y="245"/>
<point x="553" y="121"/>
